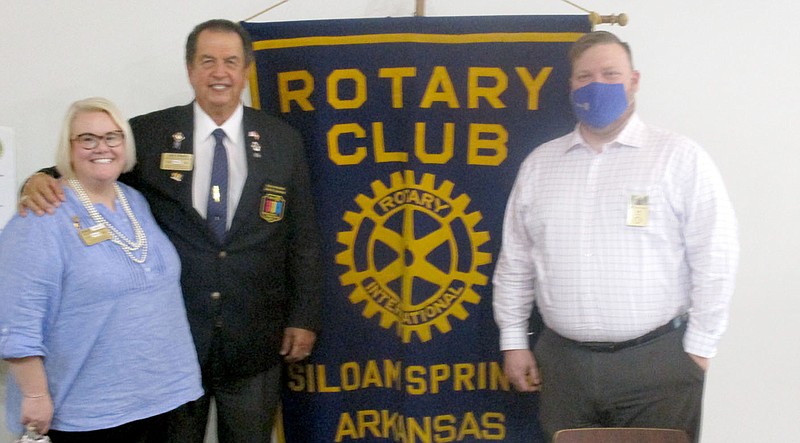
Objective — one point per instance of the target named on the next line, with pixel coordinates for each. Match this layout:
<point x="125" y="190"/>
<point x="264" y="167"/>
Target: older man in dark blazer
<point x="252" y="279"/>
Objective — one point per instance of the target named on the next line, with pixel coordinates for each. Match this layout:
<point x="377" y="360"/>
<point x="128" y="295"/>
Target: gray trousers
<point x="655" y="384"/>
<point x="245" y="410"/>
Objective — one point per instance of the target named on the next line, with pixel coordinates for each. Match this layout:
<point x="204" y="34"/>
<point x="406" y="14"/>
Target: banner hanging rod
<point x="597" y="19"/>
<point x="265" y="10"/>
<point x="594" y="18"/>
<point x="419" y="11"/>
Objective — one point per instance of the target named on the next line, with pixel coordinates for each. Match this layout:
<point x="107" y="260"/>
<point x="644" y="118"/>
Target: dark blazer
<point x="240" y="294"/>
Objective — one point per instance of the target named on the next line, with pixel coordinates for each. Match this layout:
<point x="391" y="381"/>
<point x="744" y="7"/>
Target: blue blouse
<point x="113" y="333"/>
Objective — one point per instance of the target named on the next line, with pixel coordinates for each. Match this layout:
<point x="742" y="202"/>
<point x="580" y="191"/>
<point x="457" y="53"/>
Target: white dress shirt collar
<point x="631" y="135"/>
<point x="204" y="125"/>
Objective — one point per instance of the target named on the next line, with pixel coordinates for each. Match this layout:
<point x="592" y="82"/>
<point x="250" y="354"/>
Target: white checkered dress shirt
<point x="567" y="243"/>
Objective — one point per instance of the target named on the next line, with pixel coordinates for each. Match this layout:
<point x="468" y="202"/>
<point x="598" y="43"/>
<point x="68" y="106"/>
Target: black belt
<point x="600" y="346"/>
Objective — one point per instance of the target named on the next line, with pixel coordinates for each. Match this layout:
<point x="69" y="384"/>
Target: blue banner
<point x="415" y="129"/>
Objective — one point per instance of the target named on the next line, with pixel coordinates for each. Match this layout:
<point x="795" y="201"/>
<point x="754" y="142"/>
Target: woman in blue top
<point x="93" y="323"/>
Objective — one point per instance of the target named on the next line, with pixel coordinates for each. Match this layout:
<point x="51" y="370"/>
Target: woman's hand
<point x="37" y="412"/>
<point x="37" y="406"/>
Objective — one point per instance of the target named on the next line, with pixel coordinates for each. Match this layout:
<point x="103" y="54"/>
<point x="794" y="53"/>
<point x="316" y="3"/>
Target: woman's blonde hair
<point x="92" y="104"/>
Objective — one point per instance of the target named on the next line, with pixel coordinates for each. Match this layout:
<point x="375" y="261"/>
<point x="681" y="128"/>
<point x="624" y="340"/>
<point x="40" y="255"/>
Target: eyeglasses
<point x="90" y="141"/>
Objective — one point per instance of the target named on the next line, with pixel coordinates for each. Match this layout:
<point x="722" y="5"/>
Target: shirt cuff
<point x="699" y="344"/>
<point x="14" y="346"/>
<point x="514" y="339"/>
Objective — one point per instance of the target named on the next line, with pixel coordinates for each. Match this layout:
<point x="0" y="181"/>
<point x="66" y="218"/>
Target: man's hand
<point x="520" y="367"/>
<point x="297" y="344"/>
<point x="703" y="362"/>
<point x="41" y="194"/>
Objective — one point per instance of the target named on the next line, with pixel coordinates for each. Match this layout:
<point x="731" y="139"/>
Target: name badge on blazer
<point x="173" y="161"/>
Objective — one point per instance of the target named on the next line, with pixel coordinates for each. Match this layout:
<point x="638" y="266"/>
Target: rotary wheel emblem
<point x="412" y="255"/>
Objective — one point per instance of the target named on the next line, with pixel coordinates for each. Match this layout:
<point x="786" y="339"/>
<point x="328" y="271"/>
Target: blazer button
<point x="215" y="295"/>
<point x="223" y="254"/>
<point x="218" y="323"/>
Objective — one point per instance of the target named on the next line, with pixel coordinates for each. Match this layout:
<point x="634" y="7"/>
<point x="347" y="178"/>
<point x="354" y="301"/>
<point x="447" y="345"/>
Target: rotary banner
<point x="415" y="128"/>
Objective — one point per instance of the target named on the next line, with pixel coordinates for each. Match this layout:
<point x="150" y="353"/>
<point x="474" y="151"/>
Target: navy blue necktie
<point x="217" y="210"/>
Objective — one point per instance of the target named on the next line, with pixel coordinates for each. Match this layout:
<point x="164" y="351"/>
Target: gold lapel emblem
<point x="273" y="204"/>
<point x="272" y="207"/>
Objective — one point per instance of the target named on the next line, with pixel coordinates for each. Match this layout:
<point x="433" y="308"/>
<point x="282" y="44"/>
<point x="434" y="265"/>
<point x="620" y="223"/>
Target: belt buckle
<point x="602" y="346"/>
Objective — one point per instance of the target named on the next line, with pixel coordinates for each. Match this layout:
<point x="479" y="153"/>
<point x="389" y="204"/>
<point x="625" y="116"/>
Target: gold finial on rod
<point x="613" y="19"/>
<point x="597" y="19"/>
<point x="420" y="8"/>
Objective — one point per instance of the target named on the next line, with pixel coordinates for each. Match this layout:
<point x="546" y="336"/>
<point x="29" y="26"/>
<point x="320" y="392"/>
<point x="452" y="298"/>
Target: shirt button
<point x="223" y="254"/>
<point x="215" y="295"/>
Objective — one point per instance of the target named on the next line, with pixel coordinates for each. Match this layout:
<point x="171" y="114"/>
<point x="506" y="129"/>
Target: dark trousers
<point x="148" y="430"/>
<point x="245" y="410"/>
<point x="654" y="385"/>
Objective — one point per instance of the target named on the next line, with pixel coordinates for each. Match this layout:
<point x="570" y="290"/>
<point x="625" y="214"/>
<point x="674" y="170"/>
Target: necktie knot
<point x="219" y="135"/>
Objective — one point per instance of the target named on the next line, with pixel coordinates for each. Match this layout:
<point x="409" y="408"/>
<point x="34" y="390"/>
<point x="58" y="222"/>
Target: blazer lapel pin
<point x="177" y="161"/>
<point x="177" y="139"/>
<point x="255" y="146"/>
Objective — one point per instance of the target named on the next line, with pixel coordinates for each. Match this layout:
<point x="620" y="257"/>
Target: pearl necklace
<point x="128" y="246"/>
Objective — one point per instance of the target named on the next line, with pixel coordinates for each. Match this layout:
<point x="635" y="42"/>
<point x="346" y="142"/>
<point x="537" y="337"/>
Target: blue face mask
<point x="599" y="104"/>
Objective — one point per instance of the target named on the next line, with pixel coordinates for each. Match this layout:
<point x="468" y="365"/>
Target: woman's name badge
<point x="94" y="235"/>
<point x="173" y="161"/>
<point x="638" y="211"/>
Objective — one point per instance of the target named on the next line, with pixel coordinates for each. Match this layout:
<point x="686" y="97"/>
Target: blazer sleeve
<point x="304" y="256"/>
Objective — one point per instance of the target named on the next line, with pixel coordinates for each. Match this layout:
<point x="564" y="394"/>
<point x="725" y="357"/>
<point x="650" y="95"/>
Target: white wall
<point x="721" y="72"/>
